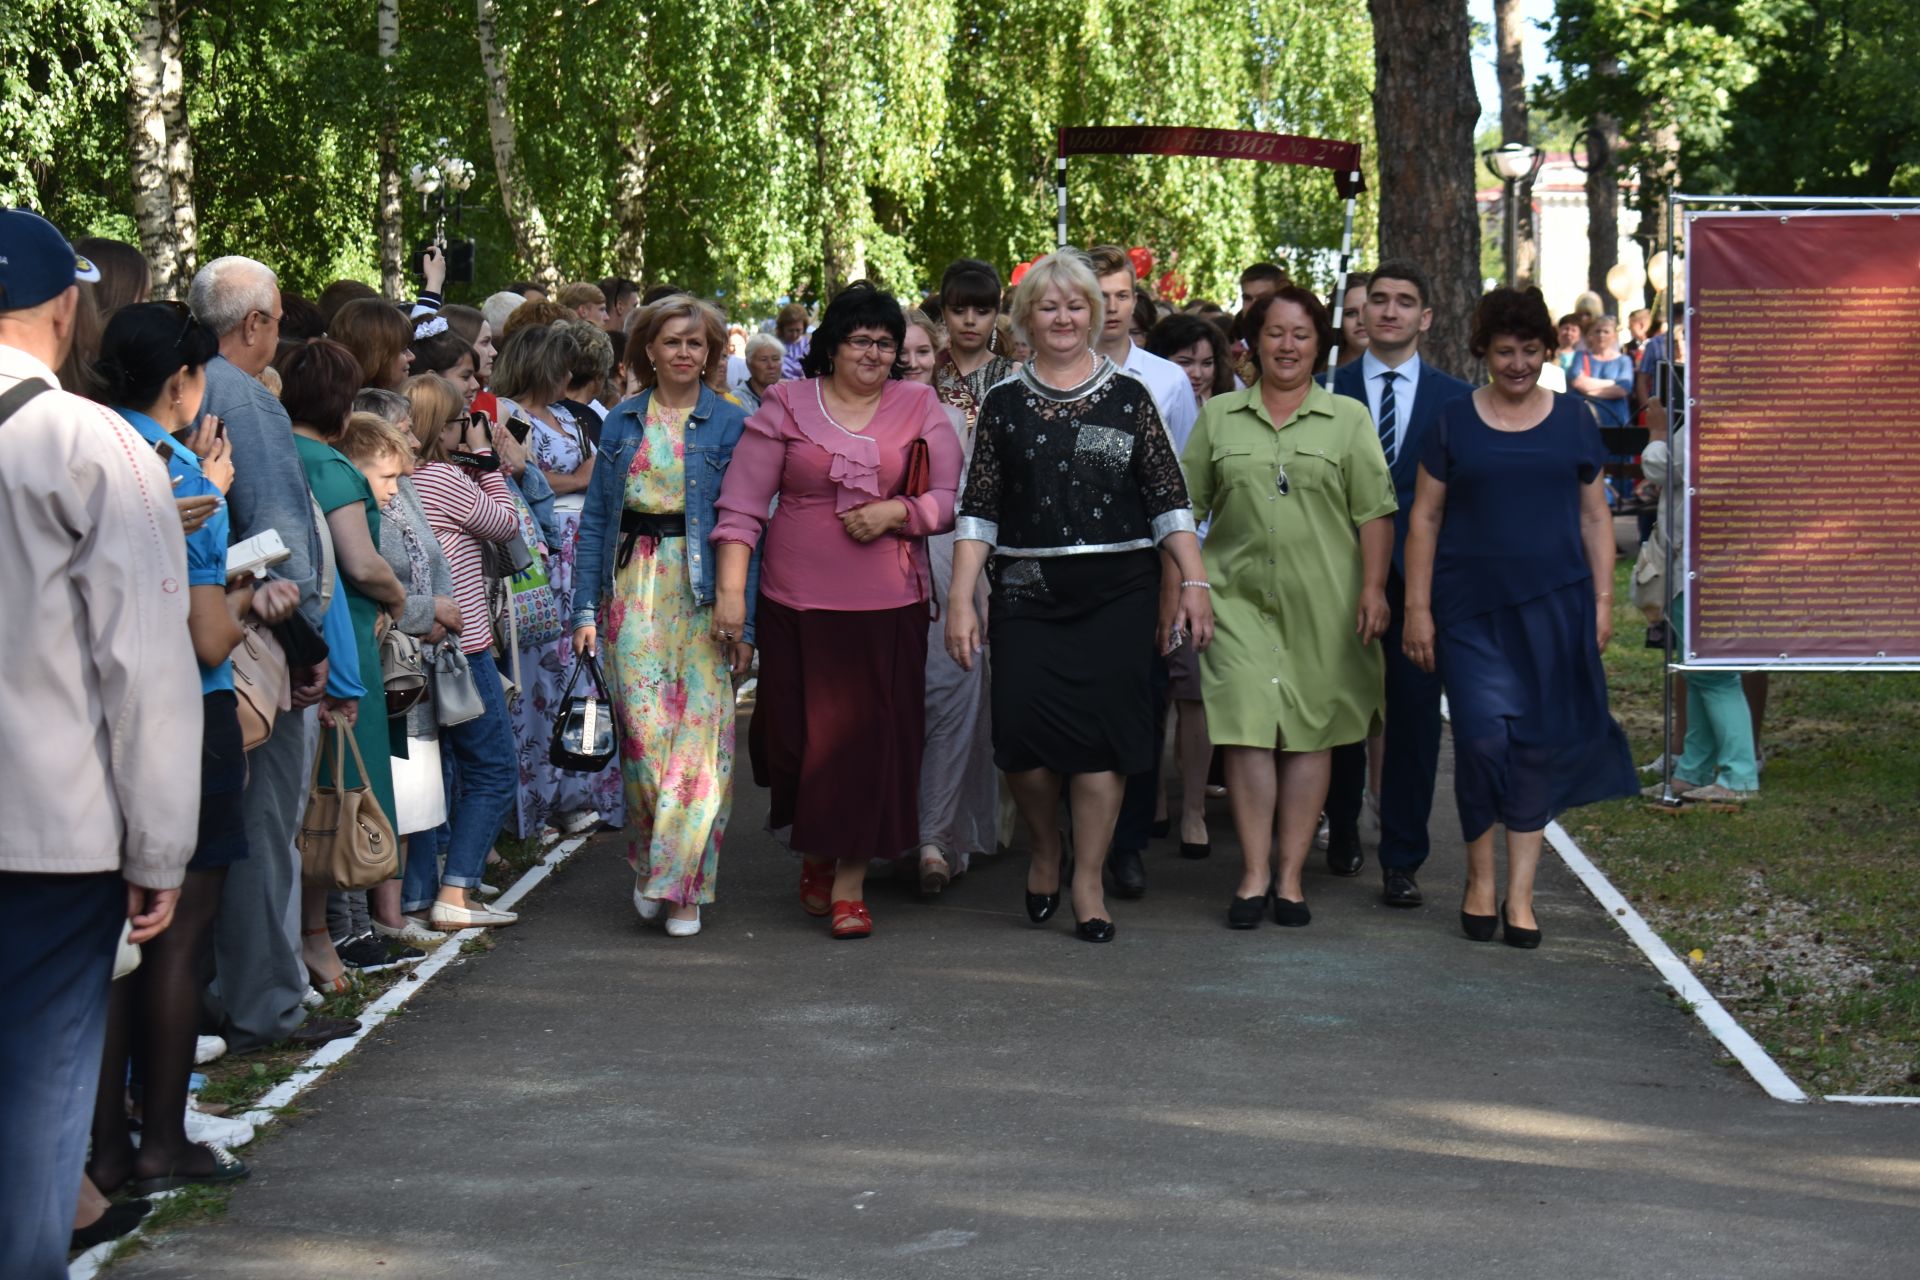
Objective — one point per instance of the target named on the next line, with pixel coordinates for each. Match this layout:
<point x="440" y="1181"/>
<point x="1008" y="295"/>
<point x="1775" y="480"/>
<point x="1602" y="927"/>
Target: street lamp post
<point x="1513" y="163"/>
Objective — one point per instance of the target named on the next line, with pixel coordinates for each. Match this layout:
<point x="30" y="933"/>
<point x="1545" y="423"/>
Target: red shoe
<point x="816" y="887"/>
<point x="852" y="920"/>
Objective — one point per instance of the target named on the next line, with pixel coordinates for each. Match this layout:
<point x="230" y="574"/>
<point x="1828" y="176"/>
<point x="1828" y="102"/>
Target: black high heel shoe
<point x="1041" y="906"/>
<point x="1245" y="913"/>
<point x="1289" y="913"/>
<point x="1514" y="936"/>
<point x="1094" y="930"/>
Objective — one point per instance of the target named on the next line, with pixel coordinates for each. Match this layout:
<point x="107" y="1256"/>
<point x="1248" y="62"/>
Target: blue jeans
<point x="482" y="774"/>
<point x="56" y="960"/>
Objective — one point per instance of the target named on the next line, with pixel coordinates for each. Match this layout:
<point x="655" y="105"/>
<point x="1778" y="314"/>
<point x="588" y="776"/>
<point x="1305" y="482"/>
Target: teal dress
<point x="336" y="483"/>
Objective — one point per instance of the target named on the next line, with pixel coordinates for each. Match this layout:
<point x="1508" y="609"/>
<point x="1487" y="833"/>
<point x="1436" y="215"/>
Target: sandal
<point x="227" y="1167"/>
<point x="935" y="874"/>
<point x="816" y="887"/>
<point x="340" y="984"/>
<point x="852" y="920"/>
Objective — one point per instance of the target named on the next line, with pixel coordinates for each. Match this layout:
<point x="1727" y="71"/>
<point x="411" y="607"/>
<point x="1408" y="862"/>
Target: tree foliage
<point x="753" y="149"/>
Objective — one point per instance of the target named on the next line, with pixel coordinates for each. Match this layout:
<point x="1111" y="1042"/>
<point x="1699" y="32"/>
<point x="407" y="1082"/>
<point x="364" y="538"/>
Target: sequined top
<point x="1073" y="471"/>
<point x="965" y="391"/>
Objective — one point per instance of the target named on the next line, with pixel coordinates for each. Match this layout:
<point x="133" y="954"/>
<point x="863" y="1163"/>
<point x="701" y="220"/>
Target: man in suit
<point x="1404" y="394"/>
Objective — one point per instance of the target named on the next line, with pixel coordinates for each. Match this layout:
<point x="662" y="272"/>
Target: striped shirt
<point x="464" y="509"/>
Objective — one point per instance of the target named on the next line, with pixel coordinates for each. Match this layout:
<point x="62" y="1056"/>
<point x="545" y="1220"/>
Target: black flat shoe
<point x="1041" y="906"/>
<point x="115" y="1222"/>
<point x="1514" y="936"/>
<point x="1159" y="828"/>
<point x="1129" y="873"/>
<point x="1094" y="930"/>
<point x="1245" y="913"/>
<point x="1290" y="914"/>
<point x="1196" y="851"/>
<point x="1479" y="928"/>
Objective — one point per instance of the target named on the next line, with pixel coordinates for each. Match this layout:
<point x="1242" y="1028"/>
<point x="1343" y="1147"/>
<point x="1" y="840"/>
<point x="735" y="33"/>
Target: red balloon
<point x="1020" y="272"/>
<point x="1142" y="260"/>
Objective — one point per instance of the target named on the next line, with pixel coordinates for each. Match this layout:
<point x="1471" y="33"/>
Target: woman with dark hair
<point x="1509" y="558"/>
<point x="378" y="337"/>
<point x="970" y="306"/>
<point x="1146" y="314"/>
<point x="470" y="325"/>
<point x="1199" y="348"/>
<point x="438" y="349"/>
<point x="1287" y="474"/>
<point x="790" y="326"/>
<point x="645" y="570"/>
<point x="318" y="382"/>
<point x="842" y="615"/>
<point x="125" y="277"/>
<point x="152" y="364"/>
<point x="530" y="379"/>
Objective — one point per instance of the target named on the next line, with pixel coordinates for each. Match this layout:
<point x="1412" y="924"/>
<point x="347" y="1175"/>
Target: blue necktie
<point x="1387" y="416"/>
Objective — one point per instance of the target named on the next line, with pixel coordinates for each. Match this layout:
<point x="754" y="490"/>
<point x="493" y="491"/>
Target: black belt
<point x="635" y="525"/>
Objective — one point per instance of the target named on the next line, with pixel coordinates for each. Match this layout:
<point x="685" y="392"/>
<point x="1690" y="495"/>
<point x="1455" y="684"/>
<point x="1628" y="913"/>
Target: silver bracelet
<point x="1204" y="586"/>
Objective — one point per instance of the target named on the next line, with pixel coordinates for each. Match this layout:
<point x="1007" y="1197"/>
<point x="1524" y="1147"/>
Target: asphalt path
<point x="967" y="1095"/>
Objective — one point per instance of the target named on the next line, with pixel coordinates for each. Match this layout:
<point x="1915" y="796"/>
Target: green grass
<point x="1802" y="904"/>
<point x="188" y="1206"/>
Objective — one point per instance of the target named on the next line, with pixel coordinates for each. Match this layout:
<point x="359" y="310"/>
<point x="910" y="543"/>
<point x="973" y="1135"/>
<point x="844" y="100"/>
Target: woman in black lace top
<point x="1072" y="486"/>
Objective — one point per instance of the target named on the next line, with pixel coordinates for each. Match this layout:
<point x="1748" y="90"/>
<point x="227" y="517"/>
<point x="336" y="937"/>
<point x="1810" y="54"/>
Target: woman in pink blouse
<point x="839" y="725"/>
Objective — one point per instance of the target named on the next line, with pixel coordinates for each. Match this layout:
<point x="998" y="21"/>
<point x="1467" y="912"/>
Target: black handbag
<point x="586" y="736"/>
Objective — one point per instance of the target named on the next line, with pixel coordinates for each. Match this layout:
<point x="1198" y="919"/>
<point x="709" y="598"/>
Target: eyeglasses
<point x="262" y="311"/>
<point x="186" y="319"/>
<point x="862" y="344"/>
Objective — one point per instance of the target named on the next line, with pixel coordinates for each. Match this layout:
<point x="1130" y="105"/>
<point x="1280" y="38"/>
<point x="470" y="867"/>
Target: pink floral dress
<point x="671" y="689"/>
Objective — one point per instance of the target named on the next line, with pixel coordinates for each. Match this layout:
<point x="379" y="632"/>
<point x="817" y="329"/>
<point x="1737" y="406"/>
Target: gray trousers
<point x="256" y="939"/>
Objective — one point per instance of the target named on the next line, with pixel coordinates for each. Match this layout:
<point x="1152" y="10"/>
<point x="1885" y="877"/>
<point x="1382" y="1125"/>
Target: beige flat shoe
<point x="448" y="918"/>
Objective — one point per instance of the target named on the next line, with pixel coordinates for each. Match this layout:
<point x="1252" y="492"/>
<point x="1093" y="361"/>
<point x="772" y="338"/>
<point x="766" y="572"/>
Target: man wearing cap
<point x="100" y="704"/>
<point x="259" y="975"/>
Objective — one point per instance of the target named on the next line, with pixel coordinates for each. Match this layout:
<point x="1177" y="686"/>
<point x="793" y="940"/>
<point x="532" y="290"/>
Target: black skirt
<point x="1071" y="641"/>
<point x="223" y="778"/>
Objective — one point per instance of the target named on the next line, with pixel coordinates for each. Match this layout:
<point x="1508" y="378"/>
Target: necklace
<point x="1071" y="381"/>
<point x="1500" y="418"/>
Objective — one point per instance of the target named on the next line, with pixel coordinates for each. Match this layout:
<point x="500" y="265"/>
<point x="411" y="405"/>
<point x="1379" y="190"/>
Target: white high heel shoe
<point x="649" y="908"/>
<point x="684" y="928"/>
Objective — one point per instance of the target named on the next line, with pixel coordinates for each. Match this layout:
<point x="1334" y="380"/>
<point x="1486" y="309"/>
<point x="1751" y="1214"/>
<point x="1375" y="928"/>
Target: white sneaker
<point x="208" y="1049"/>
<point x="1657" y="765"/>
<point x="412" y="932"/>
<point x="312" y="999"/>
<point x="649" y="908"/>
<point x="451" y="919"/>
<point x="488" y="890"/>
<point x="684" y="928"/>
<point x="574" y="824"/>
<point x="220" y="1131"/>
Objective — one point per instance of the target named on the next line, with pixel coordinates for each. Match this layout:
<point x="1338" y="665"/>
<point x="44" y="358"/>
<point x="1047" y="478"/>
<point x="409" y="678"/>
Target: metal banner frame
<point x="1342" y="158"/>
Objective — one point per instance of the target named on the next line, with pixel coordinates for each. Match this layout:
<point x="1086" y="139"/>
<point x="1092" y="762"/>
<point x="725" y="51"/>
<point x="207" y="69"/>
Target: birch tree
<point x="390" y="209"/>
<point x="523" y="209"/>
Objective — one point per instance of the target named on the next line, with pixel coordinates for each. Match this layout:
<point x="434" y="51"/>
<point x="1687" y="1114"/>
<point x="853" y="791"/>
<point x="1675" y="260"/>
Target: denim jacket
<point x="712" y="430"/>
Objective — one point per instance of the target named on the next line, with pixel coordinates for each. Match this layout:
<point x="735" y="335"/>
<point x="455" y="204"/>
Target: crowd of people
<point x="976" y="557"/>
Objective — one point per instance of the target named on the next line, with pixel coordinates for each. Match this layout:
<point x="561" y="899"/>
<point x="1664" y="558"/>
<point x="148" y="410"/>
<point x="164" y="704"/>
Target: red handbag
<point x="919" y="469"/>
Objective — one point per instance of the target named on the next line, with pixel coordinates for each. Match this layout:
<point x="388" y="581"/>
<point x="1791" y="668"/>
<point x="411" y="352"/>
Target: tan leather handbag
<point x="345" y="841"/>
<point x="261" y="686"/>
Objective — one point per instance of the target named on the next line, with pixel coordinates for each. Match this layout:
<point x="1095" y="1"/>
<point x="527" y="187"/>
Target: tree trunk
<point x="1511" y="65"/>
<point x="147" y="150"/>
<point x="160" y="152"/>
<point x="1603" y="197"/>
<point x="845" y="212"/>
<point x="1424" y="111"/>
<point x="389" y="207"/>
<point x="529" y="225"/>
<point x="633" y="188"/>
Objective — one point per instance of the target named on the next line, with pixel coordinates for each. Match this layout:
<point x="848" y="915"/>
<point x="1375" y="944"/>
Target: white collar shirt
<point x="1405" y="387"/>
<point x="1172" y="393"/>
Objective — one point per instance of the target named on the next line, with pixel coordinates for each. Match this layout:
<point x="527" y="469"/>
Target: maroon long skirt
<point x="839" y="724"/>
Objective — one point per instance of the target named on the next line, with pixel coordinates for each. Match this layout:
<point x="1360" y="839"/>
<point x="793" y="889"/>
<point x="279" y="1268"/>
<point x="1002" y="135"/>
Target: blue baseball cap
<point x="36" y="262"/>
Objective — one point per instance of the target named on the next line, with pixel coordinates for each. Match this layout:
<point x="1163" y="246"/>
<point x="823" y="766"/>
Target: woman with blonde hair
<point x="467" y="503"/>
<point x="1073" y="488"/>
<point x="646" y="574"/>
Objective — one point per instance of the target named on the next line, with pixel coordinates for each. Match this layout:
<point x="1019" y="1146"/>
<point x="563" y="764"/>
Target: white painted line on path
<point x="1759" y="1064"/>
<point x="266" y="1110"/>
<point x="1871" y="1100"/>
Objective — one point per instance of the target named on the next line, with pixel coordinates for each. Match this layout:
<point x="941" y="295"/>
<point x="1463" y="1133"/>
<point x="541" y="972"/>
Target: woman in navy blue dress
<point x="1510" y="556"/>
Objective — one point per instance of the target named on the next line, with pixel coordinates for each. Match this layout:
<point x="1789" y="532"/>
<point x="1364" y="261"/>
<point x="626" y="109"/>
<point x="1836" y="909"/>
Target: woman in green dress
<point x="318" y="382"/>
<point x="1286" y="472"/>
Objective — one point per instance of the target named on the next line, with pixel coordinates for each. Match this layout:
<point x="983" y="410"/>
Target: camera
<point x="459" y="256"/>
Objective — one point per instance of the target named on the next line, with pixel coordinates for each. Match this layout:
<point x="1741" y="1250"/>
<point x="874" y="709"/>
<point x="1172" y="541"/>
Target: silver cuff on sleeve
<point x="1178" y="520"/>
<point x="974" y="529"/>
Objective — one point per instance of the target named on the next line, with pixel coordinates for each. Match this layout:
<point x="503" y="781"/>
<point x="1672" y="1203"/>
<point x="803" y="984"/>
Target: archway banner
<point x="1343" y="158"/>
